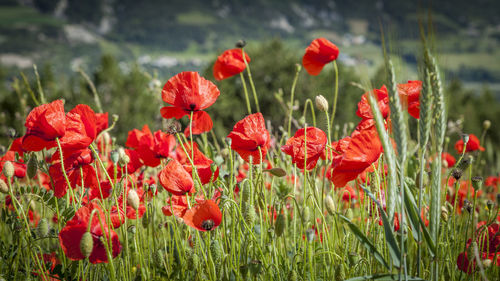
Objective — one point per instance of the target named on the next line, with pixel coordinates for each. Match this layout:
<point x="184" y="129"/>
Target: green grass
<point x="21" y="16"/>
<point x="195" y="18"/>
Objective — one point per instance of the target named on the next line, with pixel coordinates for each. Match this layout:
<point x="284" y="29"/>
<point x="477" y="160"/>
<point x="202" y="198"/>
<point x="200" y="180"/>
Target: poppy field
<point x="380" y="200"/>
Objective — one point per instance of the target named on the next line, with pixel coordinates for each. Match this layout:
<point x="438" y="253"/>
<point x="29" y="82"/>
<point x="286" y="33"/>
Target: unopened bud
<point x="114" y="155"/>
<point x="255" y="267"/>
<point x="465" y="138"/>
<point x="456" y="174"/>
<point x="306" y="214"/>
<point x="486" y="124"/>
<point x="293" y="276"/>
<point x="4" y="188"/>
<point x="487" y="263"/>
<point x="159" y="258"/>
<point x="133" y="199"/>
<point x="86" y="244"/>
<point x="444" y="214"/>
<point x="279" y="226"/>
<point x="42" y="228"/>
<point x="249" y="214"/>
<point x="11" y="133"/>
<point x="124" y="160"/>
<point x="278" y="172"/>
<point x="115" y="117"/>
<point x="321" y="103"/>
<point x="310" y="234"/>
<point x="330" y="205"/>
<point x="240" y="43"/>
<point x="32" y="166"/>
<point x="489" y="204"/>
<point x="8" y="169"/>
<point x="349" y="214"/>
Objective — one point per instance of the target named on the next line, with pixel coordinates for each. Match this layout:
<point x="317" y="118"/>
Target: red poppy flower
<point x="102" y="122"/>
<point x="349" y="194"/>
<point x="229" y="63"/>
<point x="72" y="164"/>
<point x="43" y="125"/>
<point x="488" y="241"/>
<point x="204" y="216"/>
<point x="364" y="110"/>
<point x="135" y="136"/>
<point x="472" y="145"/>
<point x="189" y="92"/>
<point x="133" y="165"/>
<point x="175" y="179"/>
<point x="16" y="146"/>
<point x="202" y="163"/>
<point x="248" y="135"/>
<point x="448" y="159"/>
<point x="314" y="139"/>
<point x="318" y="54"/>
<point x="409" y="94"/>
<point x="176" y="205"/>
<point x="81" y="129"/>
<point x="153" y="148"/>
<point x="358" y="152"/>
<point x="71" y="235"/>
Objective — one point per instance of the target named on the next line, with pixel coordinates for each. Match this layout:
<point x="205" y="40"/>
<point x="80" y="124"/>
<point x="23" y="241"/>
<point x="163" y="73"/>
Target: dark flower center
<point x="207" y="224"/>
<point x="192" y="106"/>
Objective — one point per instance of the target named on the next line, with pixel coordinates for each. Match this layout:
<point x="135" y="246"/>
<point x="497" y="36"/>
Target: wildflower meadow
<point x="388" y="198"/>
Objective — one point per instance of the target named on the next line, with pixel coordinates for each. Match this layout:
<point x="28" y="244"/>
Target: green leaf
<point x="394" y="250"/>
<point x="365" y="241"/>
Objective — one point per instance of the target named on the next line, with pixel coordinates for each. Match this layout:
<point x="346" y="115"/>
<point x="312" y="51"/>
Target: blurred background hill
<point x="129" y="48"/>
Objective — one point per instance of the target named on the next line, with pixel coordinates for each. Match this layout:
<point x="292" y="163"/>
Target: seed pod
<point x="249" y="214"/>
<point x="487" y="263"/>
<point x="133" y="199"/>
<point x="280" y="224"/>
<point x="245" y="192"/>
<point x="456" y="174"/>
<point x="216" y="251"/>
<point x="8" y="169"/>
<point x="240" y="43"/>
<point x="321" y="103"/>
<point x="159" y="258"/>
<point x="124" y="160"/>
<point x="330" y="205"/>
<point x="306" y="214"/>
<point x="4" y="188"/>
<point x="86" y="244"/>
<point x="477" y="182"/>
<point x="32" y="166"/>
<point x="489" y="204"/>
<point x="43" y="228"/>
<point x="114" y="155"/>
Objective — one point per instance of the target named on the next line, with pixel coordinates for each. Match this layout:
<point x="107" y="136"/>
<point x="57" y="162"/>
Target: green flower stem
<point x="292" y="93"/>
<point x="249" y="73"/>
<point x="336" y="90"/>
<point x="243" y="82"/>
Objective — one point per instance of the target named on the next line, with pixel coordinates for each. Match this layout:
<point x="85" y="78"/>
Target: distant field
<point x="21" y="16"/>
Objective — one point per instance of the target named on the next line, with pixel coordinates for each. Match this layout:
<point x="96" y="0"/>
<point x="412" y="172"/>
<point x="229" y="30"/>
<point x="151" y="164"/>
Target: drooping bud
<point x="321" y="103"/>
<point x="330" y="205"/>
<point x="489" y="204"/>
<point x="32" y="166"/>
<point x="278" y="172"/>
<point x="133" y="199"/>
<point x="43" y="228"/>
<point x="106" y="138"/>
<point x="279" y="226"/>
<point x="249" y="214"/>
<point x="8" y="169"/>
<point x="306" y="214"/>
<point x="86" y="244"/>
<point x="444" y="214"/>
<point x="4" y="188"/>
<point x="486" y="124"/>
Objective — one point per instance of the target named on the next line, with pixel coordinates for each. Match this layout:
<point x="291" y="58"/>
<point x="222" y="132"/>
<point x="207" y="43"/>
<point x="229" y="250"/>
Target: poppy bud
<point x="4" y="188"/>
<point x="444" y="214"/>
<point x="321" y="103"/>
<point x="292" y="275"/>
<point x="465" y="138"/>
<point x="133" y="199"/>
<point x="467" y="206"/>
<point x="240" y="43"/>
<point x="245" y="192"/>
<point x="8" y="169"/>
<point x="114" y="155"/>
<point x="298" y="67"/>
<point x="477" y="182"/>
<point x="249" y="214"/>
<point x="193" y="261"/>
<point x="464" y="163"/>
<point x="32" y="166"/>
<point x="349" y="214"/>
<point x="278" y="172"/>
<point x="86" y="244"/>
<point x="11" y="133"/>
<point x="486" y="124"/>
<point x="279" y="226"/>
<point x="159" y="258"/>
<point x="310" y="234"/>
<point x="153" y="188"/>
<point x="255" y="267"/>
<point x="106" y="137"/>
<point x="306" y="214"/>
<point x="115" y="117"/>
<point x="487" y="263"/>
<point x="330" y="205"/>
<point x="216" y="251"/>
<point x="498" y="198"/>
<point x="42" y="228"/>
<point x="124" y="160"/>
